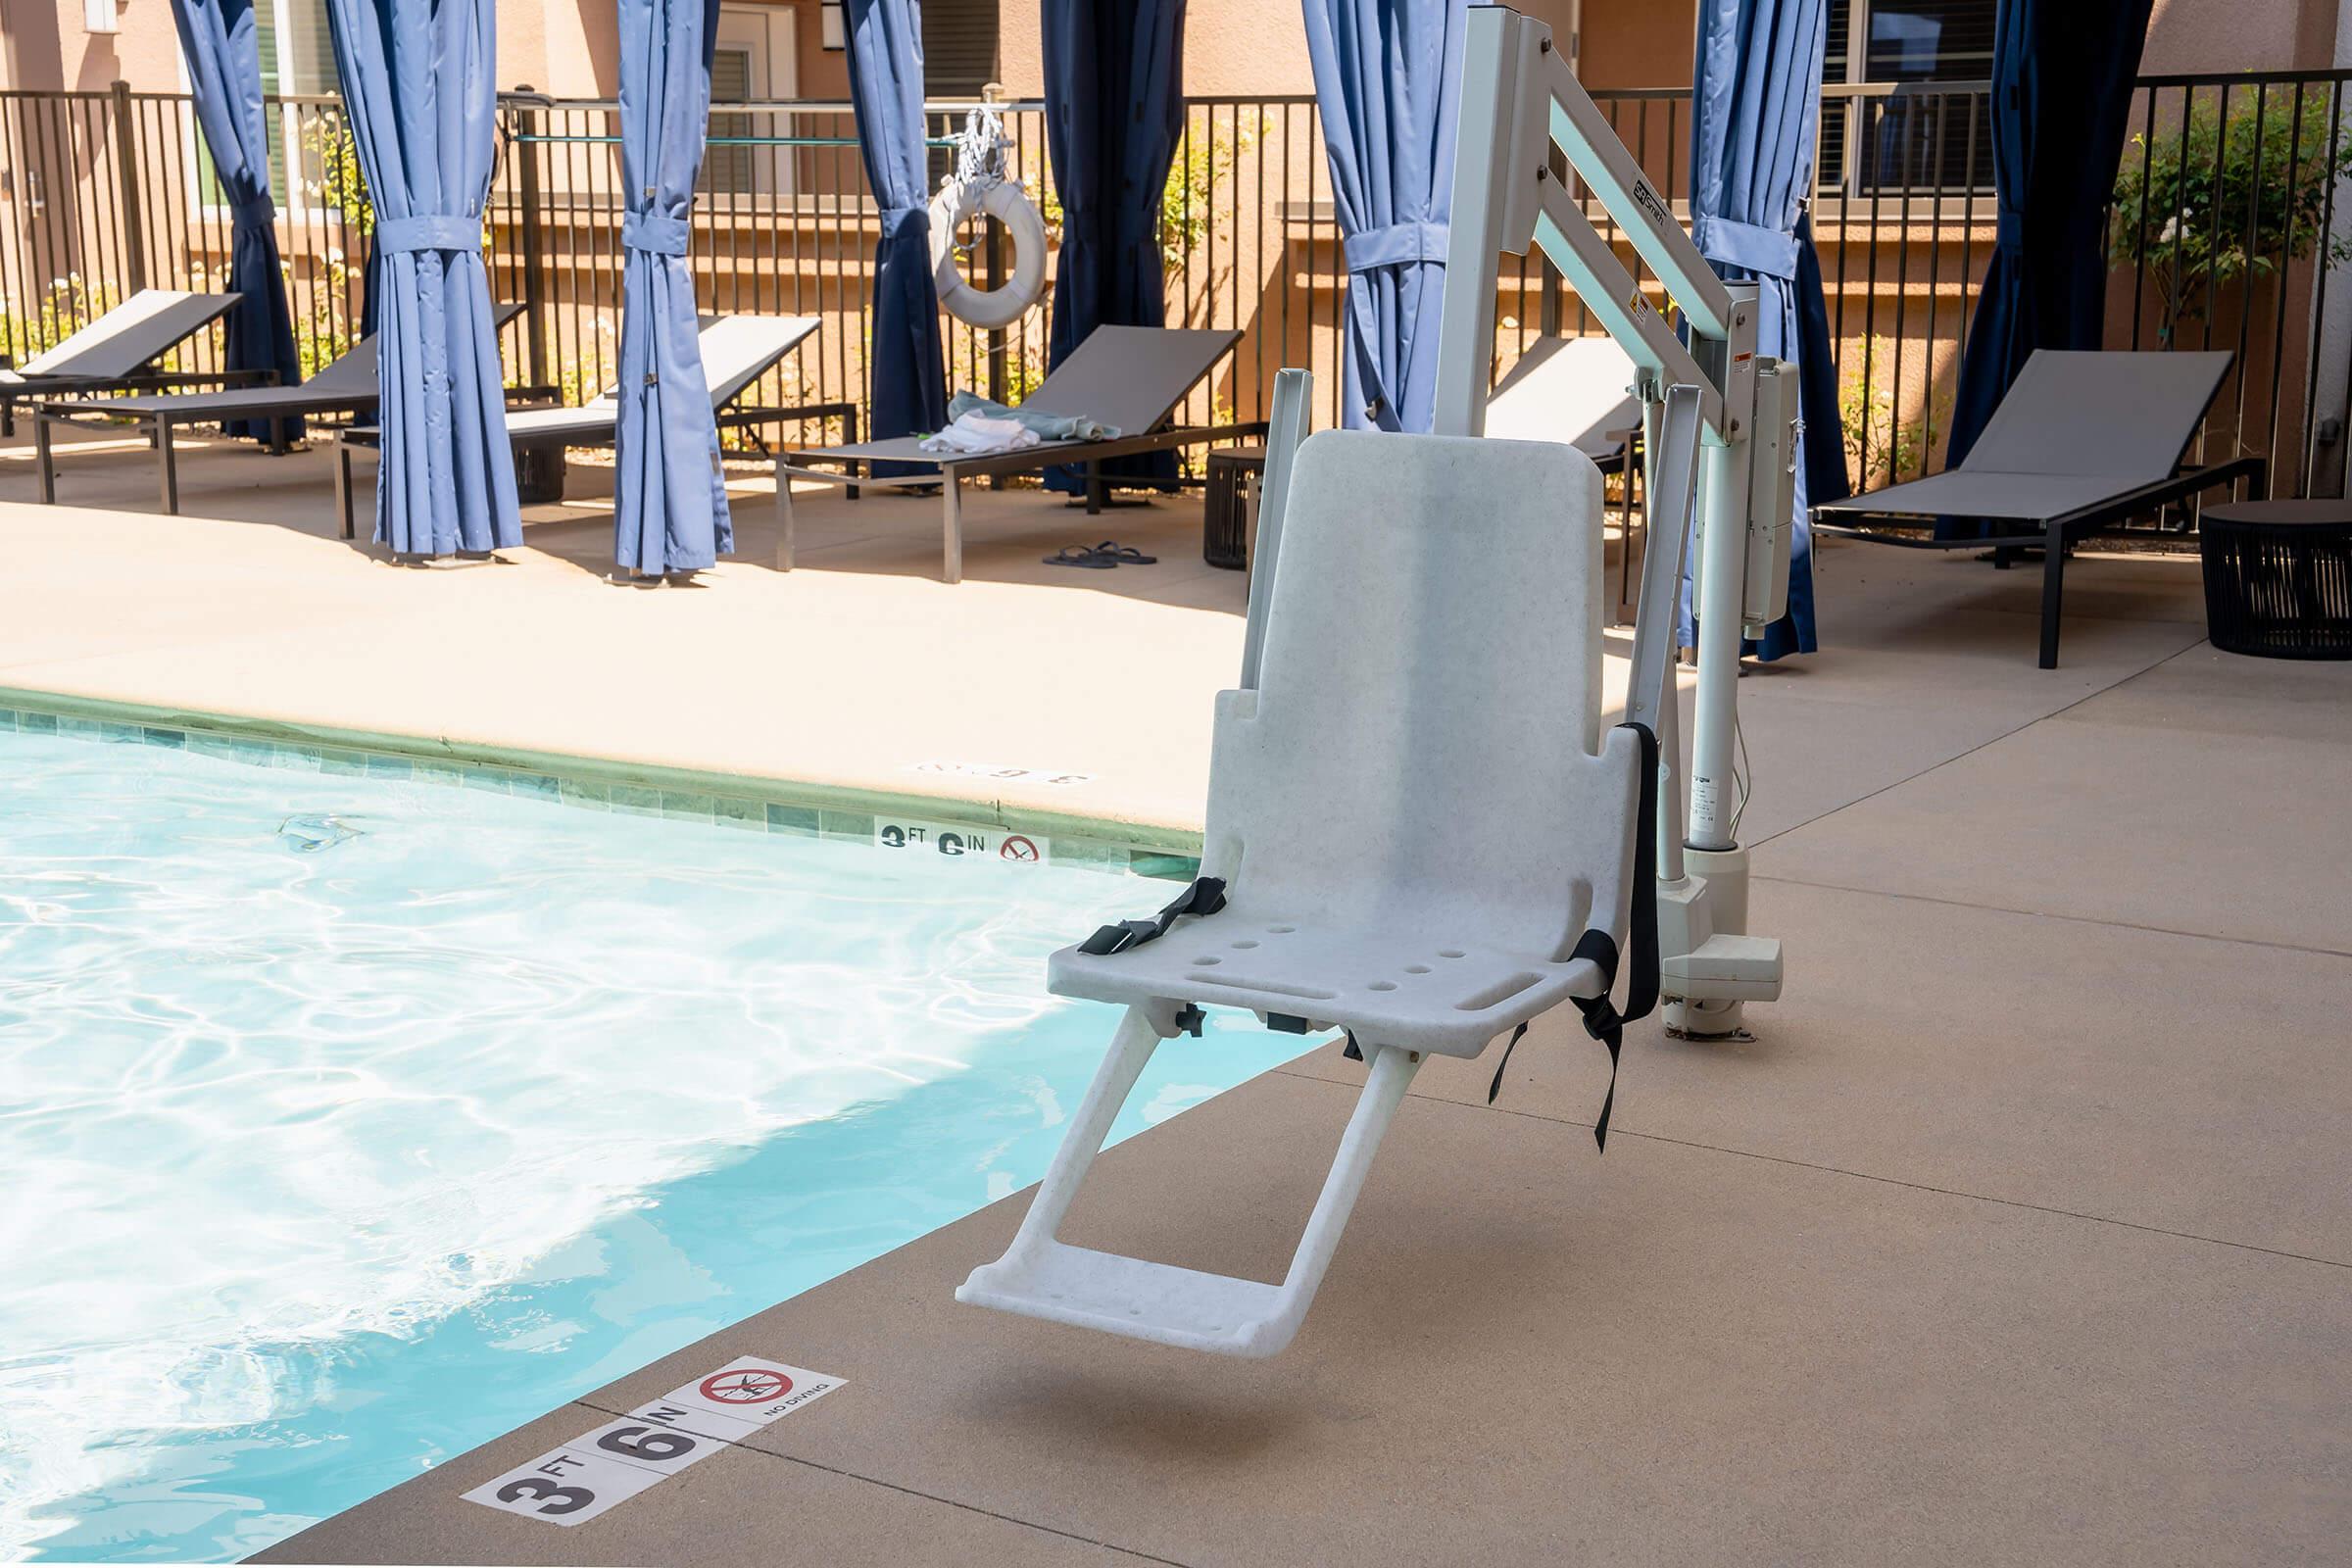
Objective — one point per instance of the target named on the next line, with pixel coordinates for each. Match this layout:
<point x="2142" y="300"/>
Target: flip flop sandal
<point x="1124" y="555"/>
<point x="1078" y="555"/>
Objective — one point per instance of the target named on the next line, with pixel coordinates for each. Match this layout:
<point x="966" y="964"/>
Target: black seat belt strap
<point x="1603" y="1021"/>
<point x="1207" y="896"/>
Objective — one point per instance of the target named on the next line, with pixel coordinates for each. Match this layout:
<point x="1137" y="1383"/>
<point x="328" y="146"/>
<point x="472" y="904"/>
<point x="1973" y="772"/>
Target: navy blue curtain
<point x="1114" y="109"/>
<point x="906" y="358"/>
<point x="670" y="510"/>
<point x="1386" y="74"/>
<point x="224" y="79"/>
<point x="1754" y="111"/>
<point x="418" y="78"/>
<point x="2062" y="72"/>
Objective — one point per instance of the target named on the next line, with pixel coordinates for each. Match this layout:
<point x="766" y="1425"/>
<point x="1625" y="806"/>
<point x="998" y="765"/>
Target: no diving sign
<point x="573" y="1484"/>
<point x="961" y="840"/>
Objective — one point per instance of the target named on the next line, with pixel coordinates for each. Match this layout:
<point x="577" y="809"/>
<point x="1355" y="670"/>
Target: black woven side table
<point x="2278" y="577"/>
<point x="1224" y="518"/>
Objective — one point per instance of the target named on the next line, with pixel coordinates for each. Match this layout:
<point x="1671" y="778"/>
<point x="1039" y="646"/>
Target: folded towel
<point x="1048" y="427"/>
<point x="974" y="433"/>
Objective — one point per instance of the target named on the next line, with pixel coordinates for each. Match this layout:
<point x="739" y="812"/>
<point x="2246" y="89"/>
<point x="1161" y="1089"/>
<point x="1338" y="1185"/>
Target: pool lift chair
<point x="1416" y="831"/>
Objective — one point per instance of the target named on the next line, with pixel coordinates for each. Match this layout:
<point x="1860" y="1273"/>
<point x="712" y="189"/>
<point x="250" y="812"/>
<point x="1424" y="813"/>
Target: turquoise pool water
<point x="346" y="1122"/>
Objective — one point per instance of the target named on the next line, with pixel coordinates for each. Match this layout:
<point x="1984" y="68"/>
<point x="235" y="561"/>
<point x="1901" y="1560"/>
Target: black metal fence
<point x="2223" y="232"/>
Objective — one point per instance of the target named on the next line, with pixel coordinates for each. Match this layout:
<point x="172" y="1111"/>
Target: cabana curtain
<point x="1114" y="109"/>
<point x="669" y="497"/>
<point x="906" y="359"/>
<point x="1386" y="74"/>
<point x="217" y="40"/>
<point x="418" y="84"/>
<point x="2062" y="74"/>
<point x="1753" y="116"/>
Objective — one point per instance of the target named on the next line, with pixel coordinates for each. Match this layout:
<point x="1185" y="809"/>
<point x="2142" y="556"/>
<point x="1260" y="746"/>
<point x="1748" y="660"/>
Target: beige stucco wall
<point x="2187" y="35"/>
<point x="567" y="47"/>
<point x="1258" y="48"/>
<point x="48" y="50"/>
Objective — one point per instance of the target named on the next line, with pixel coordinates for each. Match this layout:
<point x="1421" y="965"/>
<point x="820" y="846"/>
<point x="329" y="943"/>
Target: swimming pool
<point x="348" y="1121"/>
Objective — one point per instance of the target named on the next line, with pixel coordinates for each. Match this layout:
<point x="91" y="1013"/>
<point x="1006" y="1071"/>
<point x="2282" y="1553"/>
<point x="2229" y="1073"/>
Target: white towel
<point x="976" y="433"/>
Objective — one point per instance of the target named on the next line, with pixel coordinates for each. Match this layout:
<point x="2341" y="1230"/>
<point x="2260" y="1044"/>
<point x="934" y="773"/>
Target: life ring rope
<point x="979" y="186"/>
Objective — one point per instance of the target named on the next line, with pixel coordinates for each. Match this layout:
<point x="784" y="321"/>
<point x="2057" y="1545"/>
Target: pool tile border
<point x="752" y="812"/>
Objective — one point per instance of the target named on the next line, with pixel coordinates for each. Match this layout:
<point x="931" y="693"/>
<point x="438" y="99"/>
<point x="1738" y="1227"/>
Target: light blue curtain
<point x="1386" y="74"/>
<point x="217" y="40"/>
<point x="906" y="358"/>
<point x="419" y="83"/>
<point x="670" y="508"/>
<point x="1753" y="116"/>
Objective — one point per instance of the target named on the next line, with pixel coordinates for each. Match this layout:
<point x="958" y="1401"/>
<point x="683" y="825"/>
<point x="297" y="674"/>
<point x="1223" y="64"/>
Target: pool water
<point x="346" y="1122"/>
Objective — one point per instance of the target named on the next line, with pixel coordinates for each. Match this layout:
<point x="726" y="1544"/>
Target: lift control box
<point x="1771" y="495"/>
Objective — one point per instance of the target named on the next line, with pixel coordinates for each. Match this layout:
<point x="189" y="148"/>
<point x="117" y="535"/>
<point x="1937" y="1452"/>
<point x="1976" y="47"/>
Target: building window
<point x="726" y="169"/>
<point x="1935" y="135"/>
<point x="298" y="60"/>
<point x="834" y="26"/>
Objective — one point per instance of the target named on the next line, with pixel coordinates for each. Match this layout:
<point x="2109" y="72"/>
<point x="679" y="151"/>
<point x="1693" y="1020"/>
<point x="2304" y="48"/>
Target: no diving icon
<point x="745" y="1385"/>
<point x="1016" y="847"/>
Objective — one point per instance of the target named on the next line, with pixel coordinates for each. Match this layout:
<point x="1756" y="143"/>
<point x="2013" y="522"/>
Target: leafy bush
<point x="1880" y="446"/>
<point x="65" y="308"/>
<point x="2225" y="200"/>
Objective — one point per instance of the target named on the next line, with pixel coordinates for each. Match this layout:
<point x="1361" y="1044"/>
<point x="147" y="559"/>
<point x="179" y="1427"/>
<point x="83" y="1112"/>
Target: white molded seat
<point x="1413" y="818"/>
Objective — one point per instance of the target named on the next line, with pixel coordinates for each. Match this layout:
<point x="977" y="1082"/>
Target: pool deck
<point x="2022" y="1232"/>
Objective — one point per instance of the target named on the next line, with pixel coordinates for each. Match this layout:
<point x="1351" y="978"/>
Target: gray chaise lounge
<point x="2083" y="442"/>
<point x="1129" y="378"/>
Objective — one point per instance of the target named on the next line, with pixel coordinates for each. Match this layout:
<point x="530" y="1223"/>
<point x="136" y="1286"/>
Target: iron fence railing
<point x="2223" y="232"/>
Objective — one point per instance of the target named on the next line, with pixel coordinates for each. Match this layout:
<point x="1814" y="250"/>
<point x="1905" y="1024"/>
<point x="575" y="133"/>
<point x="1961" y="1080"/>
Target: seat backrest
<point x="1426" y="721"/>
<point x="1572" y="389"/>
<point x="2126" y="415"/>
<point x="1131" y="377"/>
<point x="131" y="337"/>
<point x="736" y="351"/>
<point x="354" y="371"/>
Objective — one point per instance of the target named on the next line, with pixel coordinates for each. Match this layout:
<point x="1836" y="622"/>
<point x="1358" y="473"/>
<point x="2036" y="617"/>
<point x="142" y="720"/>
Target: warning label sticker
<point x="1005" y="774"/>
<point x="961" y="840"/>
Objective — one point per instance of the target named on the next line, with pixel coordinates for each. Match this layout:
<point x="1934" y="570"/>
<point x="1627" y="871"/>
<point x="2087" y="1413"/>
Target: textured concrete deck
<point x="2022" y="1233"/>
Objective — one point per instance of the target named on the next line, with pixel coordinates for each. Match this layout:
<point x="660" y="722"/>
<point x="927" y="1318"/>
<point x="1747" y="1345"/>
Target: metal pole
<point x="1722" y="585"/>
<point x="127" y="173"/>
<point x="533" y="241"/>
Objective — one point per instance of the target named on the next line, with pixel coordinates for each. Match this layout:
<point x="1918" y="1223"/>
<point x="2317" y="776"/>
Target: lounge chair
<point x="118" y="352"/>
<point x="346" y="386"/>
<point x="1417" y="836"/>
<point x="1129" y="378"/>
<point x="1578" y="390"/>
<point x="2083" y="442"/>
<point x="737" y="351"/>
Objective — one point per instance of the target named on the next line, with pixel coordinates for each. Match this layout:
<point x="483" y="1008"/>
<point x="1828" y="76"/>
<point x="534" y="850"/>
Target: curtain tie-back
<point x="903" y="220"/>
<point x="1395" y="245"/>
<point x="440" y="232"/>
<point x="1765" y="252"/>
<point x="2009" y="231"/>
<point x="653" y="232"/>
<point x="259" y="211"/>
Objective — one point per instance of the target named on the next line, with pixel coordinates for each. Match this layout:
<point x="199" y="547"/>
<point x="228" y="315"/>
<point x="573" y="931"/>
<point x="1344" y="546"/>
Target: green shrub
<point x="2221" y="201"/>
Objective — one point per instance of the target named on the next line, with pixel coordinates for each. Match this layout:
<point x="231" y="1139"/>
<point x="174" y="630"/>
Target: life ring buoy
<point x="1010" y="205"/>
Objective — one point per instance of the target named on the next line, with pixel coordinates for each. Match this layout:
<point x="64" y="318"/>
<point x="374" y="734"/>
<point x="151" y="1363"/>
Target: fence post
<point x="534" y="283"/>
<point x="127" y="171"/>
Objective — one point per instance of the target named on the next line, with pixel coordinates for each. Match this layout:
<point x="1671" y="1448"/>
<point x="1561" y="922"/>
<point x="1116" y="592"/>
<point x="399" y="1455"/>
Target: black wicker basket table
<point x="1223" y="542"/>
<point x="2278" y="577"/>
